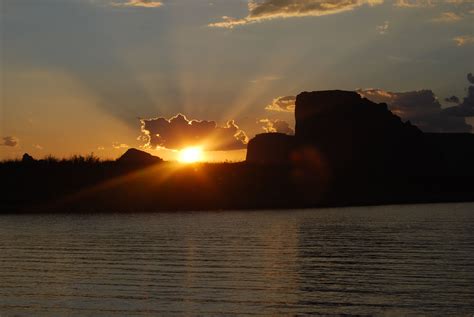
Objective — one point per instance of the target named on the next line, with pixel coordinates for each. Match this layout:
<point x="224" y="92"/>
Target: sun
<point x="190" y="155"/>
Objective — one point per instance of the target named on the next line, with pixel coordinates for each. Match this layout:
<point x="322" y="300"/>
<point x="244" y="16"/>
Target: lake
<point x="389" y="261"/>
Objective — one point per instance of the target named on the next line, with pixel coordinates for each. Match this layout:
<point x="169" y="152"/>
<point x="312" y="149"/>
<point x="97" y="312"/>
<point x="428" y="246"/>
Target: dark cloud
<point x="419" y="107"/>
<point x="452" y="99"/>
<point x="272" y="9"/>
<point x="466" y="108"/>
<point x="279" y="126"/>
<point x="470" y="78"/>
<point x="284" y="104"/>
<point x="178" y="132"/>
<point x="9" y="141"/>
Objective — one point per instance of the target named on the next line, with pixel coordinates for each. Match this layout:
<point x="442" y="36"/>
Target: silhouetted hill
<point x="134" y="156"/>
<point x="26" y="158"/>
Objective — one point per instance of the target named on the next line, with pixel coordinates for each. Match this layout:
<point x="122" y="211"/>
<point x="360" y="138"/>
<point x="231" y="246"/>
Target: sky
<point x="100" y="76"/>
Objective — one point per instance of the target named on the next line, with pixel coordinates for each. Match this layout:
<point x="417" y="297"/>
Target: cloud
<point x="178" y="132"/>
<point x="283" y="104"/>
<point x="10" y="141"/>
<point x="138" y="3"/>
<point x="466" y="108"/>
<point x="117" y="145"/>
<point x="464" y="40"/>
<point x="452" y="99"/>
<point x="265" y="79"/>
<point x="382" y="29"/>
<point x="278" y="126"/>
<point x="414" y="3"/>
<point x="470" y="78"/>
<point x="447" y="17"/>
<point x="272" y="9"/>
<point x="420" y="108"/>
<point x="429" y="3"/>
<point x="458" y="2"/>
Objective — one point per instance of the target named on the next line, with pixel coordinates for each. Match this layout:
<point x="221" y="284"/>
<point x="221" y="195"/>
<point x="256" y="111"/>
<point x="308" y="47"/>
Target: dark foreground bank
<point x="66" y="186"/>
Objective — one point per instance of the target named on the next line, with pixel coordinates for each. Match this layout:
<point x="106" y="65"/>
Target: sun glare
<point x="190" y="155"/>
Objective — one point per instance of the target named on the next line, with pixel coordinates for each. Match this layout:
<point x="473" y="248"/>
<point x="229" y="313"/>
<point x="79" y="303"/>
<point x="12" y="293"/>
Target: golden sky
<point x="78" y="76"/>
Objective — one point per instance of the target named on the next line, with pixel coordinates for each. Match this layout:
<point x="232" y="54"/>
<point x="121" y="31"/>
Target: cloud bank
<point x="278" y="126"/>
<point x="272" y="9"/>
<point x="452" y="99"/>
<point x="178" y="132"/>
<point x="10" y="141"/>
<point x="419" y="107"/>
<point x="466" y="107"/>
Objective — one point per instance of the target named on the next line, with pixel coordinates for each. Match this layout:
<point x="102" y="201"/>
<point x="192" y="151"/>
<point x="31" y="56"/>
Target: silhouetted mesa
<point x="346" y="130"/>
<point x="347" y="148"/>
<point x="271" y="148"/>
<point x="137" y="157"/>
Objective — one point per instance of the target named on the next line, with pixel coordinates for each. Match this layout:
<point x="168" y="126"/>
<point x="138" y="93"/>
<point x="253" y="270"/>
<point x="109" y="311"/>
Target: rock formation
<point x="353" y="132"/>
<point x="271" y="148"/>
<point x="347" y="131"/>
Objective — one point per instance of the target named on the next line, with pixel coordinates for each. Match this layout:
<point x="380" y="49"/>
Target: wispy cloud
<point x="382" y="29"/>
<point x="414" y="3"/>
<point x="446" y="17"/>
<point x="9" y="141"/>
<point x="464" y="40"/>
<point x="138" y="3"/>
<point x="274" y="9"/>
<point x="118" y="145"/>
<point x="265" y="79"/>
<point x="282" y="104"/>
<point x="429" y="3"/>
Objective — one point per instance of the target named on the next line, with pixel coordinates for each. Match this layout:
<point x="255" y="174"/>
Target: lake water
<point x="391" y="261"/>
